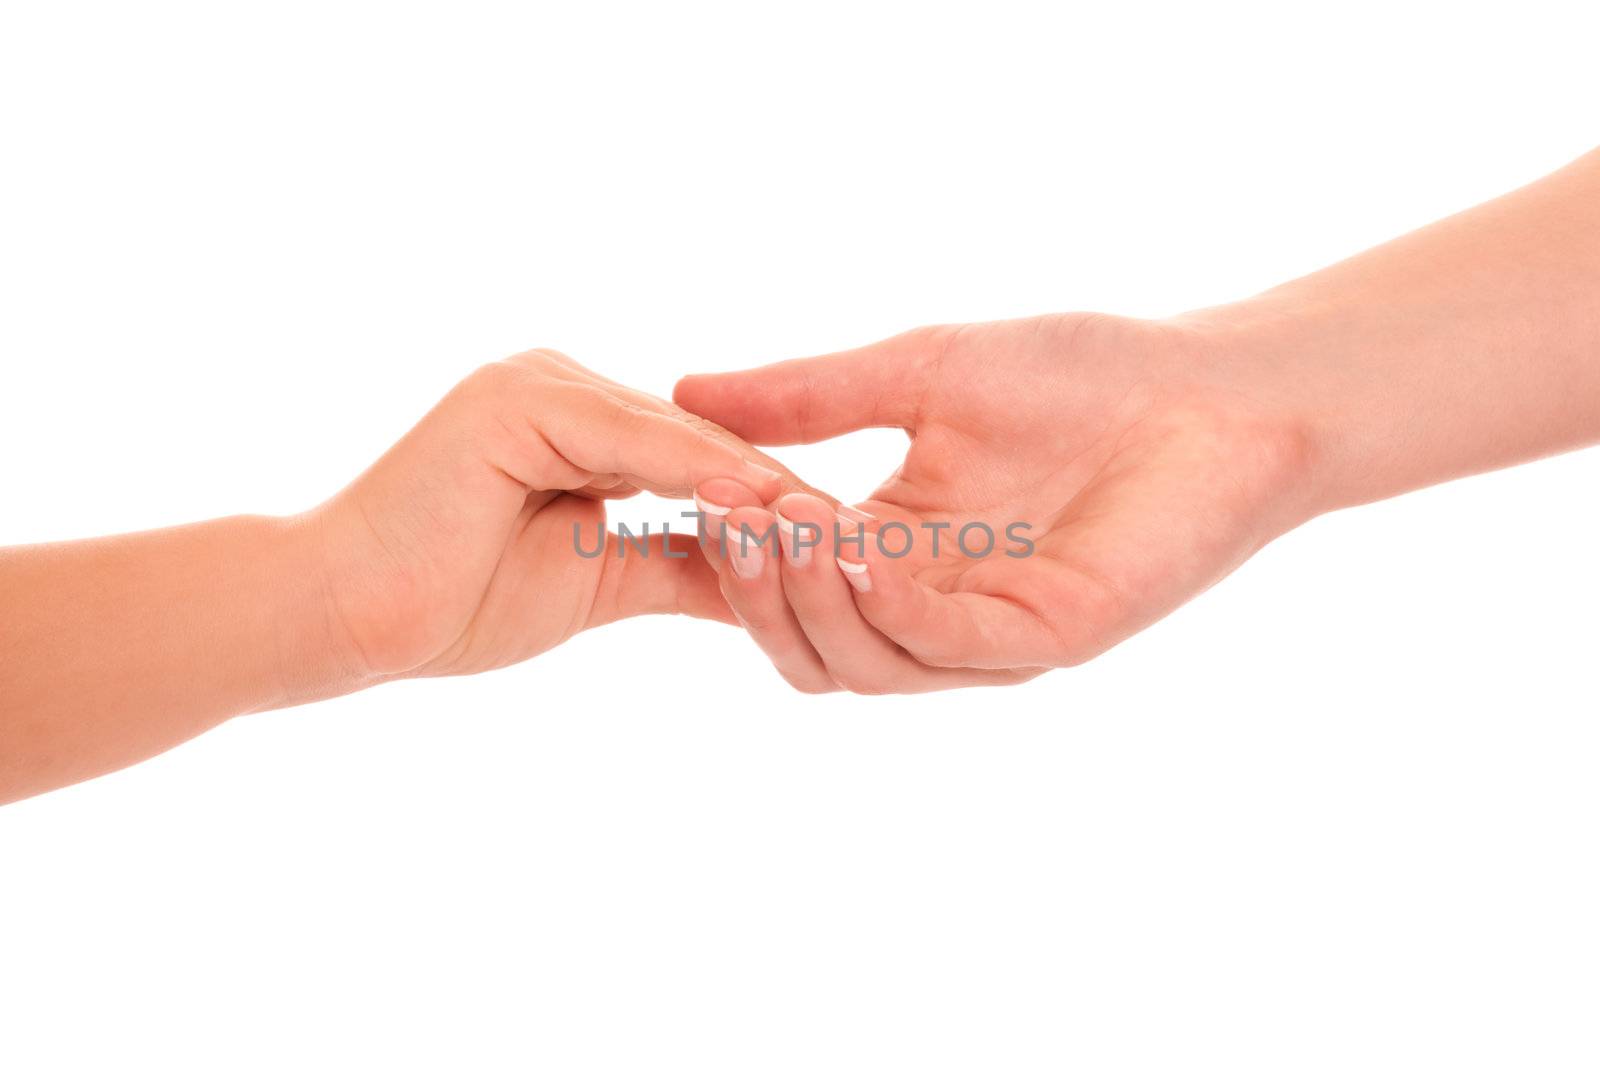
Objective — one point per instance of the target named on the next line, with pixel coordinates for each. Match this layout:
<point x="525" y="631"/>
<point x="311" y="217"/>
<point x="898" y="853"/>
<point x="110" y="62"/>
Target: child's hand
<point x="455" y="552"/>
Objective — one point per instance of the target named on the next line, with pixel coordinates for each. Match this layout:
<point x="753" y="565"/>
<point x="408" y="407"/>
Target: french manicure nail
<point x="860" y="516"/>
<point x="856" y="573"/>
<point x="747" y="562"/>
<point x="799" y="552"/>
<point x="711" y="515"/>
<point x="710" y="509"/>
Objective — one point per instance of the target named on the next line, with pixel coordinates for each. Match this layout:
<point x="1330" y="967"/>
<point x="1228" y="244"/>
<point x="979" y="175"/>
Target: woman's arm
<point x="1148" y="459"/>
<point x="1468" y="345"/>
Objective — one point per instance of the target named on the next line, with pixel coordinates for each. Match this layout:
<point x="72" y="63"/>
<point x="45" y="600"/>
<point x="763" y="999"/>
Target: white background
<point x="1339" y="812"/>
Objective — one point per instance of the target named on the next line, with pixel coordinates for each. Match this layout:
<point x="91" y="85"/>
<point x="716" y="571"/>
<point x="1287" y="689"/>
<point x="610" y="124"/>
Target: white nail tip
<point x="789" y="535"/>
<point x="711" y="508"/>
<point x="860" y="516"/>
<point x="856" y="574"/>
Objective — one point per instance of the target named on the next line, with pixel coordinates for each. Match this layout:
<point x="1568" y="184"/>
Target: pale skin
<point x="1149" y="458"/>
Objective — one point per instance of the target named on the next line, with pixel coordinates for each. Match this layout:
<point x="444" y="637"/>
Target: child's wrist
<point x="315" y="657"/>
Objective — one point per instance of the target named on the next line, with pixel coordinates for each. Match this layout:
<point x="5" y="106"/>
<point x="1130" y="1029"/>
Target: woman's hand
<point x="1152" y="458"/>
<point x="456" y="552"/>
<point x="1143" y="465"/>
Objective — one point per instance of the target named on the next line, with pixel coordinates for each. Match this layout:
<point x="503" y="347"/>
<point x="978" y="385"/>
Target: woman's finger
<point x="989" y="622"/>
<point x="857" y="656"/>
<point x="803" y="401"/>
<point x="752" y="584"/>
<point x="713" y="501"/>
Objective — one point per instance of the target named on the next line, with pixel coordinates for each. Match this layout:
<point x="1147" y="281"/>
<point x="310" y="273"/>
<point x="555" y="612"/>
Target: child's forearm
<point x="115" y="649"/>
<point x="1471" y="344"/>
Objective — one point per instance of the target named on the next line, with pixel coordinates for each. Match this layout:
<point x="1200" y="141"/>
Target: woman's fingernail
<point x="710" y="509"/>
<point x="860" y="516"/>
<point x="711" y="514"/>
<point x="765" y="473"/>
<point x="856" y="573"/>
<point x="747" y="561"/>
<point x="798" y="549"/>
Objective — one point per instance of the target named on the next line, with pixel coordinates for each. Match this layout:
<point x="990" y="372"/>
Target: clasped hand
<point x="1133" y="467"/>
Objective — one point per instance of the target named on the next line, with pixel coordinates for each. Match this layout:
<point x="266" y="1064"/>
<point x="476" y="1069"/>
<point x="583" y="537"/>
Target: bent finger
<point x="858" y="656"/>
<point x="980" y="629"/>
<point x="751" y="582"/>
<point x="666" y="576"/>
<point x="713" y="501"/>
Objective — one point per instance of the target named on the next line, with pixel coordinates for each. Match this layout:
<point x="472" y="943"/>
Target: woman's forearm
<point x="115" y="649"/>
<point x="1471" y="344"/>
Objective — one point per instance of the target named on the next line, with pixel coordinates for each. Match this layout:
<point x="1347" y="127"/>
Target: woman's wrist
<point x="1465" y="346"/>
<point x="1260" y="353"/>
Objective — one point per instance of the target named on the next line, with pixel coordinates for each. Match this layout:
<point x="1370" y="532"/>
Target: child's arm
<point x="452" y="554"/>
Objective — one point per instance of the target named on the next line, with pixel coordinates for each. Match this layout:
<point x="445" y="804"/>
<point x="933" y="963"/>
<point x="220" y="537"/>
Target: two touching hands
<point x="1136" y="465"/>
<point x="1070" y="479"/>
<point x="1140" y="460"/>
